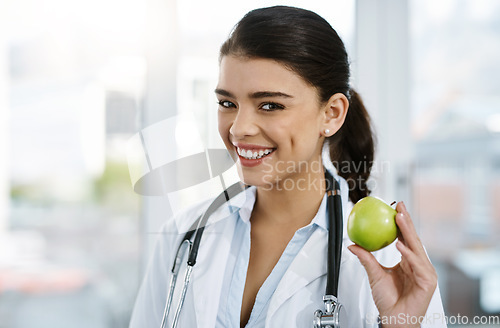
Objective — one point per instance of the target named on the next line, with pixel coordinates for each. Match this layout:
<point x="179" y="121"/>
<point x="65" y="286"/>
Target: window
<point x="455" y="111"/>
<point x="71" y="83"/>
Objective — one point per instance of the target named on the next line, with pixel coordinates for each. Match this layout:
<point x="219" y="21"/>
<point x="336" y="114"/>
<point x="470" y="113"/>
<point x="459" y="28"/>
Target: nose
<point x="244" y="124"/>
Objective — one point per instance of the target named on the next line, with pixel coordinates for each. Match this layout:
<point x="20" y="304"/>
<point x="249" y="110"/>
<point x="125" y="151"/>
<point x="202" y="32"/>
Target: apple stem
<point x="394" y="202"/>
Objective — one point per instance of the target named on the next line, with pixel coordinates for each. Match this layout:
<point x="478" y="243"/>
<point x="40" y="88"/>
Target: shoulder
<point x="183" y="221"/>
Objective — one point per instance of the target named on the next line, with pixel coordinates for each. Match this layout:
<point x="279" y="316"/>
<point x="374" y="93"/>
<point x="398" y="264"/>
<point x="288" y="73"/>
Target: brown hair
<point x="307" y="44"/>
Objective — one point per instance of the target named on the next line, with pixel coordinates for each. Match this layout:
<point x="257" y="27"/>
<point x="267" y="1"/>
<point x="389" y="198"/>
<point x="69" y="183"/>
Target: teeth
<point x="248" y="154"/>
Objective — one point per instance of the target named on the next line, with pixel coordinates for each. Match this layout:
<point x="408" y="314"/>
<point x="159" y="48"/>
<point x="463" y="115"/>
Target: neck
<point x="292" y="203"/>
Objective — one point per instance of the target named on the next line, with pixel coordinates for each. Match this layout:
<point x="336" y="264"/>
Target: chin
<point x="255" y="177"/>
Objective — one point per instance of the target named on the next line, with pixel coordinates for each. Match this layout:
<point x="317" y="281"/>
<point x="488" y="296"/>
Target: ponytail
<point x="352" y="148"/>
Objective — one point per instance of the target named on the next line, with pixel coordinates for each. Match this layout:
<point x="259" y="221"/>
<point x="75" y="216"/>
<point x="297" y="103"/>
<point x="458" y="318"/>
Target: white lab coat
<point x="297" y="296"/>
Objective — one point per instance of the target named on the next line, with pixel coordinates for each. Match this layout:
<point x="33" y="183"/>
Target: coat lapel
<point x="208" y="273"/>
<point x="305" y="268"/>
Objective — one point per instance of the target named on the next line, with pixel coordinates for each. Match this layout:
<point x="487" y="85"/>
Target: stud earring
<point x="327" y="132"/>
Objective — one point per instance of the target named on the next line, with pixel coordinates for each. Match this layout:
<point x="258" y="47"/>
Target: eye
<point x="269" y="107"/>
<point x="226" y="104"/>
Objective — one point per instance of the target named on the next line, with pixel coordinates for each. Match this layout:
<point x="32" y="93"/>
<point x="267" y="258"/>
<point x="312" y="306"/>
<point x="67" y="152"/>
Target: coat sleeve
<point x="150" y="301"/>
<point x="434" y="317"/>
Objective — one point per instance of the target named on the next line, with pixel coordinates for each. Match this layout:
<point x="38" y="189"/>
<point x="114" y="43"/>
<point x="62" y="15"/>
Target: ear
<point x="334" y="113"/>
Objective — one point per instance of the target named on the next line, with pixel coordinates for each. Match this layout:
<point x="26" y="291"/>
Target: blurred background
<point x="82" y="81"/>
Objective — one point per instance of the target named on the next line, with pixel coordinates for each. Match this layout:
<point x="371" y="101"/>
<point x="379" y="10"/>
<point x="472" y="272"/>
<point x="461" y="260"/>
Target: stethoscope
<point x="334" y="313"/>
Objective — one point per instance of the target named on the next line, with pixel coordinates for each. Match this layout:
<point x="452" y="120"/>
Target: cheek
<point x="224" y="124"/>
<point x="299" y="132"/>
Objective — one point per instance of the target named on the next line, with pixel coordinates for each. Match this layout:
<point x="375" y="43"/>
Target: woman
<point x="284" y="93"/>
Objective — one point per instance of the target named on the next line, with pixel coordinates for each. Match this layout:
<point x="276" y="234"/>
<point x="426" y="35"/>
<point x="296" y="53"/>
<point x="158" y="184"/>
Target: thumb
<point x="374" y="270"/>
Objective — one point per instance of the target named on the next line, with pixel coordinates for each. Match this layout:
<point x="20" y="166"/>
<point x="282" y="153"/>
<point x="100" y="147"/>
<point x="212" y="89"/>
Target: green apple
<point x="372" y="224"/>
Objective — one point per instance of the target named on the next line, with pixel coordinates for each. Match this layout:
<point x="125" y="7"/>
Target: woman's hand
<point x="406" y="288"/>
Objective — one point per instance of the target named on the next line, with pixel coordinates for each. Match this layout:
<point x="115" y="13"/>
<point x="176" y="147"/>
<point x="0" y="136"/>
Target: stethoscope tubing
<point x="192" y="248"/>
<point x="335" y="231"/>
<point x="334" y="206"/>
<point x="224" y="197"/>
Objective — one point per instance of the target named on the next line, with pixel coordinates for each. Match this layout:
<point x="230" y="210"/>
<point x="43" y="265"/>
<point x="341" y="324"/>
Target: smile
<point x="249" y="154"/>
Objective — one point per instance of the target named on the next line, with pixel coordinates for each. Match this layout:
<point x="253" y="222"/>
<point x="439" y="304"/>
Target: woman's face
<point x="270" y="120"/>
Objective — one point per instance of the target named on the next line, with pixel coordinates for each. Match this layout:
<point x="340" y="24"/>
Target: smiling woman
<point x="269" y="108"/>
<point x="283" y="94"/>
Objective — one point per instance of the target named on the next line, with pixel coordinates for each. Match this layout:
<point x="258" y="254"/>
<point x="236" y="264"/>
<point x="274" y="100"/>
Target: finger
<point x="374" y="270"/>
<point x="407" y="229"/>
<point x="408" y="257"/>
<point x="422" y="270"/>
<point x="400" y="237"/>
<point x="405" y="266"/>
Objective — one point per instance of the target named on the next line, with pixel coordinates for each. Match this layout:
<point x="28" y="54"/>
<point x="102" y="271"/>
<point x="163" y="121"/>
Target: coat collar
<point x="299" y="275"/>
<point x="209" y="272"/>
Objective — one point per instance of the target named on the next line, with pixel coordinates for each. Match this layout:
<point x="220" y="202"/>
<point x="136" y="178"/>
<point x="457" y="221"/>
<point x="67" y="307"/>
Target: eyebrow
<point x="256" y="95"/>
<point x="268" y="94"/>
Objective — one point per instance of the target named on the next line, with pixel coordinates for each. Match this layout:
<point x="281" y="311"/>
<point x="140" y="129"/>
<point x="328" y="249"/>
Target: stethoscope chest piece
<point x="335" y="315"/>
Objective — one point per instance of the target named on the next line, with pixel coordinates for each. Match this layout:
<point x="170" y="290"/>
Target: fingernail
<point x="404" y="206"/>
